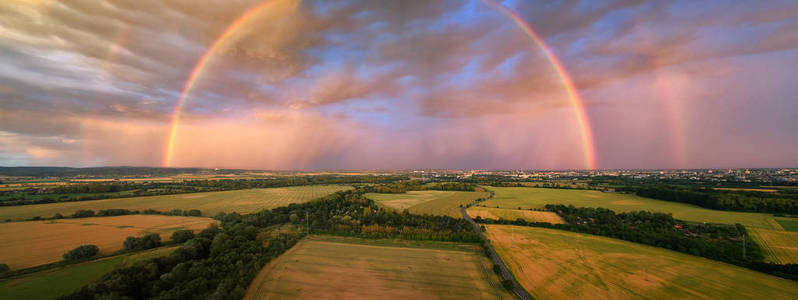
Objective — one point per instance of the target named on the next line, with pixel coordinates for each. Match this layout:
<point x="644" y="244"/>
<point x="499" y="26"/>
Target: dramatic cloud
<point x="398" y="84"/>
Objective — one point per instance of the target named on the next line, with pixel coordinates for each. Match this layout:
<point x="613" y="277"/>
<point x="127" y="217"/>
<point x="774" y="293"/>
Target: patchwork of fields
<point x="514" y="214"/>
<point x="349" y="268"/>
<point x="555" y="264"/>
<point x="52" y="283"/>
<point x="428" y="202"/>
<point x="210" y="203"/>
<point x="526" y="198"/>
<point x="28" y="244"/>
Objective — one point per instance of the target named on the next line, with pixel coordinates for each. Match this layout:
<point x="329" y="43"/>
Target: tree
<point x="507" y="284"/>
<point x="83" y="213"/>
<point x="181" y="236"/>
<point x="293" y="218"/>
<point x="142" y="243"/>
<point x="3" y="268"/>
<point x="81" y="252"/>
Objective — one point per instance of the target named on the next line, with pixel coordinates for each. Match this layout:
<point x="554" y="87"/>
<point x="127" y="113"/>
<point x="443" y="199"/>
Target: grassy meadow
<point x="526" y="198"/>
<point x="28" y="244"/>
<point x="789" y="224"/>
<point x="348" y="268"/>
<point x="779" y="247"/>
<point x="428" y="202"/>
<point x="210" y="203"/>
<point x="555" y="264"/>
<point x="514" y="214"/>
<point x="52" y="283"/>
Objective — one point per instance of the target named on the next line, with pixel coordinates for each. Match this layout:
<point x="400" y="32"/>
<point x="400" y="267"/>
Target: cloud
<point x="390" y="84"/>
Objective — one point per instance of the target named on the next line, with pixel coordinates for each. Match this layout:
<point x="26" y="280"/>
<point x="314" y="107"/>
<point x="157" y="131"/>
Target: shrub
<point x="81" y="252"/>
<point x="83" y="213"/>
<point x="507" y="284"/>
<point x="142" y="243"/>
<point x="181" y="236"/>
<point x="3" y="268"/>
<point x="58" y="216"/>
<point x="114" y="212"/>
<point x="497" y="269"/>
<point x="195" y="213"/>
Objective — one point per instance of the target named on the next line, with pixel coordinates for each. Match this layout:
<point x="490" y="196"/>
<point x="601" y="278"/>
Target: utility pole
<point x="743" y="246"/>
<point x="307" y="217"/>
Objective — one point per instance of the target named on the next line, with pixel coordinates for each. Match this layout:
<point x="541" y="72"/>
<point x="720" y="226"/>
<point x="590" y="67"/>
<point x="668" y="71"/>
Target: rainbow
<point x="573" y="95"/>
<point x="201" y="63"/>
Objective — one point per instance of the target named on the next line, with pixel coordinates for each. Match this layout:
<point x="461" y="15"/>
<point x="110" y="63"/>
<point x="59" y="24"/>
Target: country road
<point x="517" y="289"/>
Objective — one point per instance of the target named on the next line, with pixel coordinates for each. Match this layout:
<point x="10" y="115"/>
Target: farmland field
<point x="527" y="198"/>
<point x="428" y="202"/>
<point x="348" y="268"/>
<point x="49" y="284"/>
<point x="779" y="246"/>
<point x="28" y="244"/>
<point x="513" y="214"/>
<point x="556" y="264"/>
<point x="210" y="203"/>
<point x="789" y="224"/>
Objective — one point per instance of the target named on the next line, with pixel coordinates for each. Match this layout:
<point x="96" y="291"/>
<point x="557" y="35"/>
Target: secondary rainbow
<point x="201" y="63"/>
<point x="573" y="95"/>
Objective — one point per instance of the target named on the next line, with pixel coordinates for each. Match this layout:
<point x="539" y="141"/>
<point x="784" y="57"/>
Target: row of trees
<point x="95" y="191"/>
<point x="88" y="213"/>
<point x="417" y="185"/>
<point x="752" y="201"/>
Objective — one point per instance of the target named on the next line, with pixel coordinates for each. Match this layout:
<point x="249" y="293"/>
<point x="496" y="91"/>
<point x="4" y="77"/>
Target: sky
<point x="308" y="85"/>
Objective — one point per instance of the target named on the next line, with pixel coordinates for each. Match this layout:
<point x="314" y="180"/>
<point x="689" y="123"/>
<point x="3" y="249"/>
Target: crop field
<point x="49" y="284"/>
<point x="349" y="268"/>
<point x="210" y="203"/>
<point x="527" y="198"/>
<point x="789" y="224"/>
<point x="513" y="214"/>
<point x="28" y="244"/>
<point x="428" y="202"/>
<point x="556" y="264"/>
<point x="779" y="246"/>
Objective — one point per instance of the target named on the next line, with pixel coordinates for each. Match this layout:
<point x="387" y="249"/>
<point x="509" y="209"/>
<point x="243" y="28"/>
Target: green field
<point x="788" y="224"/>
<point x="556" y="264"/>
<point x="428" y="202"/>
<point x="56" y="282"/>
<point x="347" y="268"/>
<point x="779" y="246"/>
<point x="527" y="198"/>
<point x="210" y="203"/>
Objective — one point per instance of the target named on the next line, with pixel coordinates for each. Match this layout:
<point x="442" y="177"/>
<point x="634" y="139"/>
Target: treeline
<point x="416" y="185"/>
<point x="750" y="201"/>
<point x="220" y="262"/>
<point x="714" y="241"/>
<point x="97" y="191"/>
<point x="88" y="213"/>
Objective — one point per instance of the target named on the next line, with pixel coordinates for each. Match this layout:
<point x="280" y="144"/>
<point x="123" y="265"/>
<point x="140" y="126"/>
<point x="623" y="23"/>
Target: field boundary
<point x="505" y="272"/>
